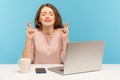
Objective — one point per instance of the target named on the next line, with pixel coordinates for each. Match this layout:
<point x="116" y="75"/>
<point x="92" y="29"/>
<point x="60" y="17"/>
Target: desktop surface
<point x="11" y="72"/>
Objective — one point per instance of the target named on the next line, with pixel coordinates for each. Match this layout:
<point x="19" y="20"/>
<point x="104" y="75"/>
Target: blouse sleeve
<point x="63" y="50"/>
<point x="32" y="50"/>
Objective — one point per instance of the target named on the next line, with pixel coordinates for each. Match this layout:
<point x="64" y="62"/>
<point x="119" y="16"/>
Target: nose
<point x="47" y="16"/>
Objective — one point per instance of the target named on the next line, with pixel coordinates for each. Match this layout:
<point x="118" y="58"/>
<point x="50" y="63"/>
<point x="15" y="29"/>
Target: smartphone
<point x="40" y="70"/>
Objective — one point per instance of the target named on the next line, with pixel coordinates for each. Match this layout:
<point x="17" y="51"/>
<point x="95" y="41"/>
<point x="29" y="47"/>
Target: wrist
<point x="29" y="39"/>
<point x="65" y="39"/>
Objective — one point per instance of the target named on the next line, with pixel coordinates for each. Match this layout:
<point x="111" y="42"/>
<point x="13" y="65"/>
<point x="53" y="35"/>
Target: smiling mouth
<point x="47" y="21"/>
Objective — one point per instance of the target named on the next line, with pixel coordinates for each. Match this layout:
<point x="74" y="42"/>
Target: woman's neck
<point x="48" y="31"/>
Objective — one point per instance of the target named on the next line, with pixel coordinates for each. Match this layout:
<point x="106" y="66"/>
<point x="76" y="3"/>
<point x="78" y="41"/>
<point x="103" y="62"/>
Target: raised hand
<point x="29" y="31"/>
<point x="64" y="31"/>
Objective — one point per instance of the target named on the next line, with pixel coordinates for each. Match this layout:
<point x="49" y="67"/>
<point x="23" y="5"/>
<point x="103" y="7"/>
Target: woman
<point x="46" y="43"/>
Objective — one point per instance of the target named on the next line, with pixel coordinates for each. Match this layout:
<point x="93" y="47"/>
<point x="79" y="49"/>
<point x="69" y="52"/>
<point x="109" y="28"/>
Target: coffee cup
<point x="24" y="65"/>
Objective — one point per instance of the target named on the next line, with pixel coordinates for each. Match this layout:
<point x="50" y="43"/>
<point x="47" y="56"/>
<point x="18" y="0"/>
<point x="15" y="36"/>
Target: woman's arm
<point x="28" y="49"/>
<point x="63" y="51"/>
<point x="65" y="40"/>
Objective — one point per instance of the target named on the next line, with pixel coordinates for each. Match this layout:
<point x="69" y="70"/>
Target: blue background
<point x="89" y="20"/>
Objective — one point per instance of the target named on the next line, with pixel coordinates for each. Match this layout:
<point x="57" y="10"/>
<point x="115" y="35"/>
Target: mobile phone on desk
<point x="40" y="70"/>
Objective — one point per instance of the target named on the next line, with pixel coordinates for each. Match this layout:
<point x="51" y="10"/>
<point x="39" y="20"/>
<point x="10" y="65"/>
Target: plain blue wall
<point x="89" y="20"/>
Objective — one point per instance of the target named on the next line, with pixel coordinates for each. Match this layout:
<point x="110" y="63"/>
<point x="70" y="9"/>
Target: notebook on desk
<point x="81" y="57"/>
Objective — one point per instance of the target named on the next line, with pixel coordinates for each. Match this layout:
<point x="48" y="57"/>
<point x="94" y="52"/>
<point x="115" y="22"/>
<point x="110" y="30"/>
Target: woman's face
<point x="47" y="17"/>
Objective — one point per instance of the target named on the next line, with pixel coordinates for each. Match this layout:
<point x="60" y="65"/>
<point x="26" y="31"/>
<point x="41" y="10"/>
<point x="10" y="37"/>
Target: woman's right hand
<point x="29" y="31"/>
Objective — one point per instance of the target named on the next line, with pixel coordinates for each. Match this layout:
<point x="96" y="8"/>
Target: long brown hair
<point x="58" y="19"/>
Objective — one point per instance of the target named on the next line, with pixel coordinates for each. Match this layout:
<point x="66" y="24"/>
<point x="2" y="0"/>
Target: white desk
<point x="11" y="72"/>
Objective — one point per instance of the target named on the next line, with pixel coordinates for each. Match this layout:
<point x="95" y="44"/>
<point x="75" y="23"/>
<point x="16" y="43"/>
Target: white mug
<point x="25" y="65"/>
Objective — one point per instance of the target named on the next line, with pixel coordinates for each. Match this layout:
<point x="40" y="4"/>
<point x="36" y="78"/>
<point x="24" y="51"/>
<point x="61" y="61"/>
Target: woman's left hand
<point x="64" y="32"/>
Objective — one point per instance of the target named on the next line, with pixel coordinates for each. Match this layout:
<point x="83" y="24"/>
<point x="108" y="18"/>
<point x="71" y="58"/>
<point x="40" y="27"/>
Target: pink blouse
<point x="47" y="50"/>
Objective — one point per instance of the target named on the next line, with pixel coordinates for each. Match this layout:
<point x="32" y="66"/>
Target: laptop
<point x="81" y="57"/>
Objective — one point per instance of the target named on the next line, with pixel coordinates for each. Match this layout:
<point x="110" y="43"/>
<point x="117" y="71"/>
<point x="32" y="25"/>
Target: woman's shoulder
<point x="59" y="31"/>
<point x="37" y="30"/>
<point x="60" y="28"/>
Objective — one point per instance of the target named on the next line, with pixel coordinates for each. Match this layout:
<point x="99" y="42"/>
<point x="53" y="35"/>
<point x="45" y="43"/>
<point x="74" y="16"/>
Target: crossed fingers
<point x="65" y="29"/>
<point x="29" y="28"/>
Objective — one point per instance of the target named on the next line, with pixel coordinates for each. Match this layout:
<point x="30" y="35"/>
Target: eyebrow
<point x="46" y="12"/>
